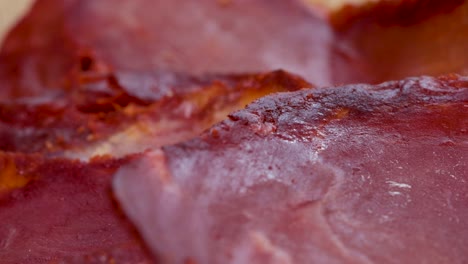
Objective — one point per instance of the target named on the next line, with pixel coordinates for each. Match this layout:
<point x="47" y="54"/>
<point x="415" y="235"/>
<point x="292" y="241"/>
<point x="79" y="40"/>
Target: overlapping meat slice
<point x="397" y="39"/>
<point x="129" y="112"/>
<point x="353" y="174"/>
<point x="59" y="37"/>
<point x="56" y="210"/>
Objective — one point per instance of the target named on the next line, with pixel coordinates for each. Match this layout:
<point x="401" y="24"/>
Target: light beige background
<point x="10" y="11"/>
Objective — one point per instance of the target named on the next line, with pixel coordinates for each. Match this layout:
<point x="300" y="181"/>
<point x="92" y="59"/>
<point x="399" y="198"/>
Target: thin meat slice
<point x="58" y="40"/>
<point x="397" y="39"/>
<point x="61" y="210"/>
<point x="352" y="174"/>
<point x="129" y="111"/>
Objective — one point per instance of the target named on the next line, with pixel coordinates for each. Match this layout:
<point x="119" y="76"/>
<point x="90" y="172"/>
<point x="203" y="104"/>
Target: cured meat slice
<point x="397" y="39"/>
<point x="37" y="54"/>
<point x="352" y="174"/>
<point x="55" y="210"/>
<point x="59" y="38"/>
<point x="128" y="112"/>
<point x="395" y="12"/>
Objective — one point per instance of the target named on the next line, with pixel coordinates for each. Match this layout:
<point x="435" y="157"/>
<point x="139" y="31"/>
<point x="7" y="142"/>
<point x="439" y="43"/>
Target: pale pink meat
<point x="353" y="174"/>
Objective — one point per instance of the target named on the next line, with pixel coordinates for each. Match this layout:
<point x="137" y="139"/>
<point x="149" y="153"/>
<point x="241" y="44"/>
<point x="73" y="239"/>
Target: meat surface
<point x="397" y="39"/>
<point x="128" y="112"/>
<point x="352" y="174"/>
<point x="59" y="38"/>
<point x="61" y="210"/>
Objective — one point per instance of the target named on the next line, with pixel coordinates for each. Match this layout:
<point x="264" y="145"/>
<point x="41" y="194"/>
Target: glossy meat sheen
<point x="353" y="174"/>
<point x="59" y="38"/>
<point x="55" y="210"/>
<point x="130" y="111"/>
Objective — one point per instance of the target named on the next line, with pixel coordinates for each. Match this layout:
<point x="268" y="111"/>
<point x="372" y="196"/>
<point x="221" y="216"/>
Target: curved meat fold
<point x="59" y="209"/>
<point x="128" y="112"/>
<point x="62" y="210"/>
<point x="352" y="174"/>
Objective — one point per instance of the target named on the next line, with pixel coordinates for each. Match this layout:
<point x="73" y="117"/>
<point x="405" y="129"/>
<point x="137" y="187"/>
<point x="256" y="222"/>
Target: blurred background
<point x="11" y="10"/>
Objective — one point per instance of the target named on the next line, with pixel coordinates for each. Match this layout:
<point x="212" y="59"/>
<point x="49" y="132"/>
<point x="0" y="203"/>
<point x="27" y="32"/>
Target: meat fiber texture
<point x="54" y="210"/>
<point x="352" y="174"/>
<point x="62" y="210"/>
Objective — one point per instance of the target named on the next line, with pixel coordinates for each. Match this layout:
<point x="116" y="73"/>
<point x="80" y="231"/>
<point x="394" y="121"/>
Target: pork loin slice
<point x="352" y="174"/>
<point x="130" y="111"/>
<point x="57" y="210"/>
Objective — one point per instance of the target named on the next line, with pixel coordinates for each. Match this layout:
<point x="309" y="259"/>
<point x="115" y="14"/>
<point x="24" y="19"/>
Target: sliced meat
<point x="397" y="39"/>
<point x="128" y="112"/>
<point x="60" y="39"/>
<point x="38" y="53"/>
<point x="395" y="12"/>
<point x="55" y="210"/>
<point x="352" y="174"/>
